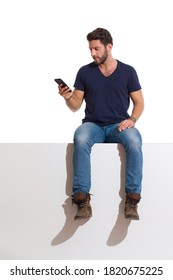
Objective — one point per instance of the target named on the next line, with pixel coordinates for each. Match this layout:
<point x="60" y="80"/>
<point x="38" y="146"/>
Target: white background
<point x="43" y="40"/>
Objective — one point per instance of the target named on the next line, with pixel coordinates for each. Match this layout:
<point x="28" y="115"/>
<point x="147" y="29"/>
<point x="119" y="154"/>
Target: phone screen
<point x="61" y="82"/>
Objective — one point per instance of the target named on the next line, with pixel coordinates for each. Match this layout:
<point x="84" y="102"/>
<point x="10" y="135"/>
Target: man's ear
<point x="109" y="47"/>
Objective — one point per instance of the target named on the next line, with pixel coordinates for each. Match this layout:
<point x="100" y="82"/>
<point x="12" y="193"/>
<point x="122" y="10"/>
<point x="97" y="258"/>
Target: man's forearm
<point x="73" y="103"/>
<point x="137" y="110"/>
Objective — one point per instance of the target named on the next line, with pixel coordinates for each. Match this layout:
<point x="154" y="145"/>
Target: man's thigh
<point x="89" y="132"/>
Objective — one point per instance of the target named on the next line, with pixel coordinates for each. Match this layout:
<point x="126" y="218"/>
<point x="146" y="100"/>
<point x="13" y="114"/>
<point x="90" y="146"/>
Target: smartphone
<point x="61" y="82"/>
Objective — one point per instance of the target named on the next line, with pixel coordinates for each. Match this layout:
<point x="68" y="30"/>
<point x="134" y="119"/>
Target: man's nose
<point x="93" y="52"/>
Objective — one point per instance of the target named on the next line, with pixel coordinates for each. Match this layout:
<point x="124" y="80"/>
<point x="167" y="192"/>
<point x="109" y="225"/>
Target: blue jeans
<point x="87" y="134"/>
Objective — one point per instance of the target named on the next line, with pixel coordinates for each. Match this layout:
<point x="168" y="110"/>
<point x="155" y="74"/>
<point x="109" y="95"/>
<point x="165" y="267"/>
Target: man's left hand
<point x="126" y="124"/>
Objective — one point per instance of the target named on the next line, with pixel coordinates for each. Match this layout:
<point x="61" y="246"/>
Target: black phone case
<point x="61" y="82"/>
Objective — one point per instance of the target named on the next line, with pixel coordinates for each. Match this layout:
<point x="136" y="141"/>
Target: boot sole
<point x="81" y="217"/>
<point x="132" y="217"/>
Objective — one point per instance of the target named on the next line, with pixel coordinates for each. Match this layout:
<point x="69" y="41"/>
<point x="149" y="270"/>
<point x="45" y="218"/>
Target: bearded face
<point x="99" y="60"/>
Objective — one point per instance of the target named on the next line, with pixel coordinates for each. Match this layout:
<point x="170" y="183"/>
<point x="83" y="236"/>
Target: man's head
<point x="100" y="45"/>
<point x="100" y="34"/>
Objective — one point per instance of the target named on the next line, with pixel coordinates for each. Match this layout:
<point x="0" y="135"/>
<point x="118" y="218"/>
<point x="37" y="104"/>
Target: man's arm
<point x="138" y="103"/>
<point x="74" y="99"/>
<point x="138" y="107"/>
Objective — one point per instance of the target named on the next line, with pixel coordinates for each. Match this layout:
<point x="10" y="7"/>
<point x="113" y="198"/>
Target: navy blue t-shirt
<point x="107" y="98"/>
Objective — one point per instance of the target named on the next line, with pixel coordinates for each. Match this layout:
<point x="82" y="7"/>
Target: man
<point x="107" y="86"/>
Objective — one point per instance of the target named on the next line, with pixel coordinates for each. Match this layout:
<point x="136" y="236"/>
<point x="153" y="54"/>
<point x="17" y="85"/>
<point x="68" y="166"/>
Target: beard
<point x="102" y="59"/>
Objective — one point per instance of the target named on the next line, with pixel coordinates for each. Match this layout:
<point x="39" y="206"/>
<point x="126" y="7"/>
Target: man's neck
<point x="108" y="67"/>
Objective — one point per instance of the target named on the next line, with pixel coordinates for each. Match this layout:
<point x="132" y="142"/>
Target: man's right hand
<point x="65" y="92"/>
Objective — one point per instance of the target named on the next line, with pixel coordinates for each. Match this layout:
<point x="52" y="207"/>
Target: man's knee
<point x="132" y="138"/>
<point x="88" y="133"/>
<point x="81" y="135"/>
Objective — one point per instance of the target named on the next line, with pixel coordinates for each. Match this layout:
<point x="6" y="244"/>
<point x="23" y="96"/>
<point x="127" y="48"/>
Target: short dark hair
<point x="100" y="34"/>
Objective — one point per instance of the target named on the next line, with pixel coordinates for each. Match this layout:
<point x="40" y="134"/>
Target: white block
<point x="36" y="214"/>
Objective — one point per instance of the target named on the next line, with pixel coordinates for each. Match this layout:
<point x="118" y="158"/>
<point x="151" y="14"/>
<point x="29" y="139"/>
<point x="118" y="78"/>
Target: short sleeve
<point x="133" y="80"/>
<point x="78" y="84"/>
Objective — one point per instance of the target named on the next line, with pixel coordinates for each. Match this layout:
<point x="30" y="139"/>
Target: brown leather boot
<point x="132" y="199"/>
<point x="82" y="200"/>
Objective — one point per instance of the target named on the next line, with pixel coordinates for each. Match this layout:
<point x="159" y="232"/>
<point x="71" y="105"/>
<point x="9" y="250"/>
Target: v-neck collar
<point x="111" y="73"/>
